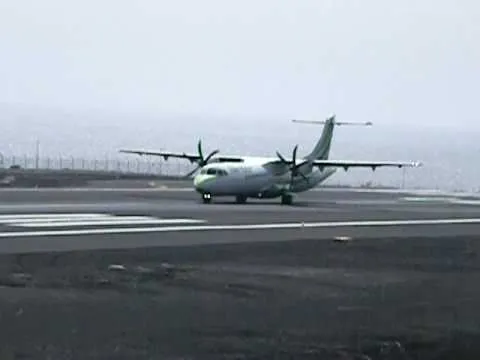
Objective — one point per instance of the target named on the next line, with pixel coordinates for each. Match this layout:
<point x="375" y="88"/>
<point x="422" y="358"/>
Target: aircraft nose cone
<point x="201" y="182"/>
<point x="197" y="183"/>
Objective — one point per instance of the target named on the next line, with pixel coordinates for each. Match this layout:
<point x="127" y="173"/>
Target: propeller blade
<point x="294" y="157"/>
<point x="200" y="152"/>
<point x="213" y="153"/>
<point x="192" y="172"/>
<point x="281" y="158"/>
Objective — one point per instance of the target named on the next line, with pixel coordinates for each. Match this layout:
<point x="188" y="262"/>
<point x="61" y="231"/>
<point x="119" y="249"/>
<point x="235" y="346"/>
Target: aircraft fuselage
<point x="255" y="180"/>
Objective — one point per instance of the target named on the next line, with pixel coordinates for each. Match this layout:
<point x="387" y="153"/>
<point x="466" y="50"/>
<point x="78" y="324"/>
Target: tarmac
<point x="152" y="272"/>
<point x="33" y="220"/>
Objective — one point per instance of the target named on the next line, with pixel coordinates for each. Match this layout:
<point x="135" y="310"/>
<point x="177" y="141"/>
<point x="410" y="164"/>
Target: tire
<point x="287" y="199"/>
<point x="241" y="199"/>
<point x="206" y="198"/>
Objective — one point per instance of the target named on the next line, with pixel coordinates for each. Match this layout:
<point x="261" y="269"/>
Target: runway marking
<point x="293" y="225"/>
<point x="75" y="220"/>
<point x="442" y="199"/>
<point x="52" y="215"/>
<point x="120" y="221"/>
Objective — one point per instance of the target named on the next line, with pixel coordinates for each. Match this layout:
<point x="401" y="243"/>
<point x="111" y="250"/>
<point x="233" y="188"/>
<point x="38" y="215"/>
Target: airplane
<point x="268" y="177"/>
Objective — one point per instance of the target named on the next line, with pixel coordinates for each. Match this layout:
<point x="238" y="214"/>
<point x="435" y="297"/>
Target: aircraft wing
<point x="189" y="156"/>
<point x="346" y="164"/>
<point x="360" y="163"/>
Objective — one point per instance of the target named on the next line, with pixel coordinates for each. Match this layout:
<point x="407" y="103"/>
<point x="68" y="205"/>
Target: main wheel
<point x="241" y="199"/>
<point x="287" y="199"/>
<point x="207" y="198"/>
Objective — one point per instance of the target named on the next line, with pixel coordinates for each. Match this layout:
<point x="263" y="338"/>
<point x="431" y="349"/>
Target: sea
<point x="93" y="138"/>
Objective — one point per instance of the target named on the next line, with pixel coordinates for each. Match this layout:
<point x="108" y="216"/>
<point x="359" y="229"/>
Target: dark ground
<point x="413" y="298"/>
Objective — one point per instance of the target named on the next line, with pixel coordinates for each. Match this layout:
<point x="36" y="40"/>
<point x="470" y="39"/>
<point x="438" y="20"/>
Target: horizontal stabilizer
<point x="320" y="122"/>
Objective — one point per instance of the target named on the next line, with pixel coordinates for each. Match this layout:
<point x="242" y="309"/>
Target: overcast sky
<point x="385" y="61"/>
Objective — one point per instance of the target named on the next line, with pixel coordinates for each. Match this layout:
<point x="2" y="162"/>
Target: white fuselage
<point x="251" y="178"/>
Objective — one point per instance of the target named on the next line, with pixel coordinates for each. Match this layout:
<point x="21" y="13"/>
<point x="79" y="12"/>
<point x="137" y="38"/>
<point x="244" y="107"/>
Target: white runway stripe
<point x="108" y="222"/>
<point x="53" y="220"/>
<point x="295" y="225"/>
<point x="52" y="215"/>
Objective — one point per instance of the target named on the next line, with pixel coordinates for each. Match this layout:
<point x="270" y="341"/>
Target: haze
<point x="88" y="78"/>
<point x="392" y="62"/>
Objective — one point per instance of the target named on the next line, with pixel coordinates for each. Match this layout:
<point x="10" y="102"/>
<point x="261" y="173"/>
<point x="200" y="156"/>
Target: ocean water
<point x="449" y="154"/>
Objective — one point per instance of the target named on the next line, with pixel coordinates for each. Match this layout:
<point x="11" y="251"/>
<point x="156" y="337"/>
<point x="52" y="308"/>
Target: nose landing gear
<point x="207" y="198"/>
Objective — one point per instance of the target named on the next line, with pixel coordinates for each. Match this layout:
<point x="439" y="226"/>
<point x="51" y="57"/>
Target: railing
<point x="172" y="167"/>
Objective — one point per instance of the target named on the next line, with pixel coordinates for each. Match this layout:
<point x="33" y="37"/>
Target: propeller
<point x="201" y="161"/>
<point x="293" y="166"/>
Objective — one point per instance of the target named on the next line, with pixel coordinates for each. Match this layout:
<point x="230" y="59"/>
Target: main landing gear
<point x="240" y="199"/>
<point x="287" y="199"/>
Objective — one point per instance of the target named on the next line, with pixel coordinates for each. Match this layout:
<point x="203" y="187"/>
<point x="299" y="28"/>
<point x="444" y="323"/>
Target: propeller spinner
<point x="293" y="166"/>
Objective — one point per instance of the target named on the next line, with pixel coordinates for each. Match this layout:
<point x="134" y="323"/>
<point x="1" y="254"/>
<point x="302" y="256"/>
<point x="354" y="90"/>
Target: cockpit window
<point x="214" y="171"/>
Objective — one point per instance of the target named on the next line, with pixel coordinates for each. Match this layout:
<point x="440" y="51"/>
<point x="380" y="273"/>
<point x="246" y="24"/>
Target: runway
<point x="40" y="220"/>
<point x="380" y="268"/>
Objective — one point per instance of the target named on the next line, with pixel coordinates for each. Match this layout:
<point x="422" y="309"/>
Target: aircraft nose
<point x="197" y="183"/>
<point x="201" y="182"/>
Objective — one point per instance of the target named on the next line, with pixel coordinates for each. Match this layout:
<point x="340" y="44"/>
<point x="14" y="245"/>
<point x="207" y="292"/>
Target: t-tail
<point x="321" y="151"/>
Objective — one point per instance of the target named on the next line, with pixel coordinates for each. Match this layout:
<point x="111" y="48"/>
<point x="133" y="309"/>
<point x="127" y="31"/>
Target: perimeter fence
<point x="149" y="166"/>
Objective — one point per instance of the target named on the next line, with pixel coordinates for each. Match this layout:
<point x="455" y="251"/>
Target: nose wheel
<point x="206" y="198"/>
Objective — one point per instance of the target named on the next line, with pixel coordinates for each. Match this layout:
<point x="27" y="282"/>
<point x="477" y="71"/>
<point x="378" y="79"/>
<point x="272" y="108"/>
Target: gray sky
<point x="390" y="62"/>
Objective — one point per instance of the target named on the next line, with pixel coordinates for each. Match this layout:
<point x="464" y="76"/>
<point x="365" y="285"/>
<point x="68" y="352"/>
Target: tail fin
<point x="321" y="151"/>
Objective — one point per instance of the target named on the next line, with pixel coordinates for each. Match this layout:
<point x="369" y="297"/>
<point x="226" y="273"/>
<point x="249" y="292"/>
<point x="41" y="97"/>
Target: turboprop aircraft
<point x="268" y="177"/>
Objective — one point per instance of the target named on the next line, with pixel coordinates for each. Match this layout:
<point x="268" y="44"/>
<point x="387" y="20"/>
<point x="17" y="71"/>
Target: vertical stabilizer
<point x="321" y="151"/>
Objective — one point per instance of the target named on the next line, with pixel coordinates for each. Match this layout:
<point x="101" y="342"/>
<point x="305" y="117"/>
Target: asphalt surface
<point x="156" y="274"/>
<point x="106" y="218"/>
